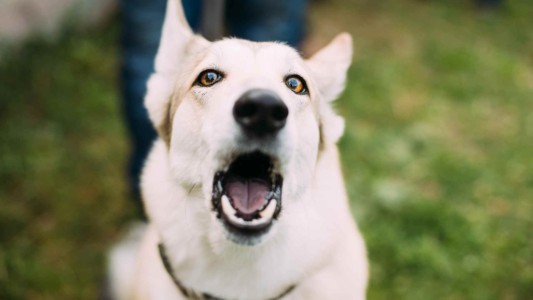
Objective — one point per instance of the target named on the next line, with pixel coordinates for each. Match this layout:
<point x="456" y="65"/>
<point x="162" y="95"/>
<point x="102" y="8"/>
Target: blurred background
<point x="438" y="150"/>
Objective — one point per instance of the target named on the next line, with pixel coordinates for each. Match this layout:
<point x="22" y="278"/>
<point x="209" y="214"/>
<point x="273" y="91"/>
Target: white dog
<point x="243" y="189"/>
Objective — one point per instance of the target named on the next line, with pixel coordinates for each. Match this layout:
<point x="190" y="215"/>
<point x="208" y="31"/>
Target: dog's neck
<point x="191" y="294"/>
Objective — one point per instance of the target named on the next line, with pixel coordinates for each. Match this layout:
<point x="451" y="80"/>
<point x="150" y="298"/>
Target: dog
<point x="243" y="188"/>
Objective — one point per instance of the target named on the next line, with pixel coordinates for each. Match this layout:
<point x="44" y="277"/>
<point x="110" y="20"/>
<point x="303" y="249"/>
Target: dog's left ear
<point x="328" y="68"/>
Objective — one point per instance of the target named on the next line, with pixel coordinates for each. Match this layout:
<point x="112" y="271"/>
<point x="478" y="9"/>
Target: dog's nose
<point x="260" y="112"/>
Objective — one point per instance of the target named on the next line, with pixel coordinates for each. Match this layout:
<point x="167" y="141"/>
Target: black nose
<point x="260" y="112"/>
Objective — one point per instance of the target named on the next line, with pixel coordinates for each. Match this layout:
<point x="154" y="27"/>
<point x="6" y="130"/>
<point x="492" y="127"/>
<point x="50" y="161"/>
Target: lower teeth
<point x="265" y="215"/>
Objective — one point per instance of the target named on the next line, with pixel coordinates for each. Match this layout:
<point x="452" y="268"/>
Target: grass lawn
<point x="438" y="152"/>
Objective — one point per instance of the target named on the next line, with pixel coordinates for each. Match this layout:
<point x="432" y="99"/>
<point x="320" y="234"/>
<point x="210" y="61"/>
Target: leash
<point x="192" y="295"/>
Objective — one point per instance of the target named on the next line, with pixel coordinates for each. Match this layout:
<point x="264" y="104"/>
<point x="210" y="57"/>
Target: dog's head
<point x="244" y="121"/>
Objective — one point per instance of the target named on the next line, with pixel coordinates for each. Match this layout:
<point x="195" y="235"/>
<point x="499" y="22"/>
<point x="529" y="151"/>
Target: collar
<point x="191" y="294"/>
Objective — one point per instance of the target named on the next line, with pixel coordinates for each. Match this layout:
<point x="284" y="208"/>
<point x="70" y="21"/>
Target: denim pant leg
<point x="142" y="22"/>
<point x="141" y="29"/>
<point x="268" y="20"/>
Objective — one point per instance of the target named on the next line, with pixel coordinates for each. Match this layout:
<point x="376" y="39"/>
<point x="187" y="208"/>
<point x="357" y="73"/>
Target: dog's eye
<point x="296" y="84"/>
<point x="208" y="78"/>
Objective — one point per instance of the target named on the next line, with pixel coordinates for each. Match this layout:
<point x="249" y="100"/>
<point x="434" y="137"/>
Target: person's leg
<point x="268" y="20"/>
<point x="142" y="22"/>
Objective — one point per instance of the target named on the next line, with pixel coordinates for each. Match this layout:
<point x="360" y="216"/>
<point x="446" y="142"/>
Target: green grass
<point x="437" y="152"/>
<point x="62" y="156"/>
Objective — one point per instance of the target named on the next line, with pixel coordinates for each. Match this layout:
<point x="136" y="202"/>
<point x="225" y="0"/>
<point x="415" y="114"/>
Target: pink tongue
<point x="248" y="195"/>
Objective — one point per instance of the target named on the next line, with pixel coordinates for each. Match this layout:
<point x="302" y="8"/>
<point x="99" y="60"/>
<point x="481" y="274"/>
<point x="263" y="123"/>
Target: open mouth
<point x="247" y="197"/>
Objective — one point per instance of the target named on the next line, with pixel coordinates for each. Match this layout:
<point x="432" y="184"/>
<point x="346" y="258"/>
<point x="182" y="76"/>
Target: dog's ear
<point x="177" y="38"/>
<point x="329" y="65"/>
<point x="176" y="34"/>
<point x="328" y="68"/>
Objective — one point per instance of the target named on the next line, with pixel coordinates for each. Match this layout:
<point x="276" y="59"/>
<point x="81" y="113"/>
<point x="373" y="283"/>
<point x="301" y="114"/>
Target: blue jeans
<point x="258" y="20"/>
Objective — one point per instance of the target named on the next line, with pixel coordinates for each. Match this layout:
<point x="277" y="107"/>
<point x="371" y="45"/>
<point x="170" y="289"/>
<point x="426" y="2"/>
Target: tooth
<point x="257" y="222"/>
<point x="236" y="220"/>
<point x="268" y="212"/>
<point x="226" y="206"/>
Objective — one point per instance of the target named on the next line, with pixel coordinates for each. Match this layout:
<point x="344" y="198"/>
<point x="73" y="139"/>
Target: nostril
<point x="280" y="112"/>
<point x="245" y="110"/>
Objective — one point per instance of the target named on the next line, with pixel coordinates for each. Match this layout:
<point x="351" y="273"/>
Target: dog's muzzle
<point x="247" y="193"/>
<point x="247" y="197"/>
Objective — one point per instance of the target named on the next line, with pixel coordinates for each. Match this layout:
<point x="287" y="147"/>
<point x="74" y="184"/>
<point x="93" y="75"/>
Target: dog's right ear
<point x="330" y="64"/>
<point x="177" y="38"/>
<point x="329" y="67"/>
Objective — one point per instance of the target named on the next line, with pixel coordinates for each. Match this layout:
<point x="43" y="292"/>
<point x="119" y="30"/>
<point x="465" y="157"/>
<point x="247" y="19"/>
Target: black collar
<point x="190" y="294"/>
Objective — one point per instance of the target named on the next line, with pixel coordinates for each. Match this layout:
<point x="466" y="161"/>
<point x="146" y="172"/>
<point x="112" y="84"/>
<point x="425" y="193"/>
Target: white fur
<point x="314" y="244"/>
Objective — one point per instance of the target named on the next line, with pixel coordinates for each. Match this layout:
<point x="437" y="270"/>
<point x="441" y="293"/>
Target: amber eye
<point x="208" y="78"/>
<point x="296" y="84"/>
